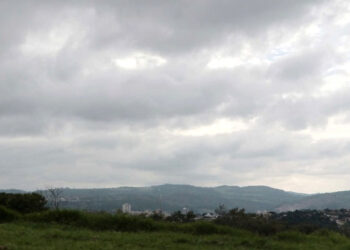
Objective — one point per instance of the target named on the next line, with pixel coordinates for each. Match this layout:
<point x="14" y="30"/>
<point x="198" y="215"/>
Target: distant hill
<point x="170" y="198"/>
<point x="175" y="197"/>
<point x="336" y="200"/>
<point x="12" y="191"/>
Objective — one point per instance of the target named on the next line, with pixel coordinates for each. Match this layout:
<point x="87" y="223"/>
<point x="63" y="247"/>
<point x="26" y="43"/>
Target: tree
<point x="23" y="203"/>
<point x="55" y="196"/>
<point x="190" y="216"/>
<point x="176" y="216"/>
<point x="157" y="215"/>
<point x="221" y="210"/>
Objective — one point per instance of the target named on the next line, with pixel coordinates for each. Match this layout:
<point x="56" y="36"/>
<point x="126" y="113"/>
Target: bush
<point x="306" y="228"/>
<point x="178" y="216"/>
<point x="237" y="218"/>
<point x="306" y="221"/>
<point x="71" y="217"/>
<point x="205" y="228"/>
<point x="292" y="236"/>
<point x="322" y="232"/>
<point x="23" y="203"/>
<point x="96" y="221"/>
<point x="7" y="215"/>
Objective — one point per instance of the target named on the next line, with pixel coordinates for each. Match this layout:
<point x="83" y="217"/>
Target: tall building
<point x="126" y="208"/>
<point x="185" y="210"/>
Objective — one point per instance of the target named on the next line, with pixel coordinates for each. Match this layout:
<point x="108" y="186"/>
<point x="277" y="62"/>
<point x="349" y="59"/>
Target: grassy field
<point x="29" y="235"/>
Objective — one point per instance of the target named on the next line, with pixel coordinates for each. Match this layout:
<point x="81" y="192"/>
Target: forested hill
<point x="336" y="200"/>
<point x="12" y="191"/>
<point x="175" y="197"/>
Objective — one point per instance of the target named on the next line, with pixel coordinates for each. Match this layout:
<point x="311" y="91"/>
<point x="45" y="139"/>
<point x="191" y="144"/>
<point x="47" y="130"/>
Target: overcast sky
<point x="201" y="92"/>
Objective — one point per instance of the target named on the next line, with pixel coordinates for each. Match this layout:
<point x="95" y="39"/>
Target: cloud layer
<point x="110" y="93"/>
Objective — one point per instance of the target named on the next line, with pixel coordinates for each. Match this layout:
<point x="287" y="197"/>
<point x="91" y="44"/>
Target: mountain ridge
<point x="171" y="197"/>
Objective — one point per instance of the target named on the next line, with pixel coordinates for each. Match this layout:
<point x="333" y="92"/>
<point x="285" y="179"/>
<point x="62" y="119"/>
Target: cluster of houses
<point x="340" y="217"/>
<point x="126" y="208"/>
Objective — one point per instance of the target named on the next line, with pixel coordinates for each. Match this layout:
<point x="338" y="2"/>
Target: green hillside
<point x="175" y="197"/>
<point x="336" y="200"/>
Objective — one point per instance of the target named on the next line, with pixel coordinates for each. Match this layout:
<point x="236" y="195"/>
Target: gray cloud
<point x="69" y="115"/>
<point x="175" y="27"/>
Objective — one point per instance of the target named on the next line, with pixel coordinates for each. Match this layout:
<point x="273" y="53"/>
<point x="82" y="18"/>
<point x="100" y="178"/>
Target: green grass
<point x="29" y="235"/>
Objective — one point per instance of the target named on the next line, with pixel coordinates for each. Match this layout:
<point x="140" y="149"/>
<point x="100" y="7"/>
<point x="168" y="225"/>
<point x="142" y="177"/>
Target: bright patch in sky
<point x="246" y="56"/>
<point x="139" y="61"/>
<point x="337" y="128"/>
<point x="297" y="182"/>
<point x="220" y="126"/>
<point x="233" y="62"/>
<point x="292" y="96"/>
<point x="47" y="43"/>
<point x="224" y="62"/>
<point x="337" y="80"/>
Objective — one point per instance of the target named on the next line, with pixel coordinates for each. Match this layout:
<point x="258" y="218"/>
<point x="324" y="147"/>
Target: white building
<point x="126" y="208"/>
<point x="185" y="210"/>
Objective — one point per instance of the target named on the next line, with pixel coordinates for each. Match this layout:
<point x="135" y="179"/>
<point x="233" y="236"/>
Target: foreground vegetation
<point x="26" y="223"/>
<point x="29" y="235"/>
<point x="69" y="229"/>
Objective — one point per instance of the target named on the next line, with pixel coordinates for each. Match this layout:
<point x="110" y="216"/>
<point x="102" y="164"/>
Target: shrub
<point x="306" y="221"/>
<point x="23" y="203"/>
<point x="322" y="232"/>
<point x="97" y="221"/>
<point x="205" y="228"/>
<point x="306" y="228"/>
<point x="237" y="218"/>
<point x="71" y="217"/>
<point x="177" y="216"/>
<point x="291" y="236"/>
<point x="7" y="215"/>
<point x="133" y="223"/>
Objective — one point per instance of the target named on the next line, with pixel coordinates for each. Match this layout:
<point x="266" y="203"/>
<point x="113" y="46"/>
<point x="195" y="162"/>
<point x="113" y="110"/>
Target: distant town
<point x="339" y="217"/>
<point x="126" y="208"/>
